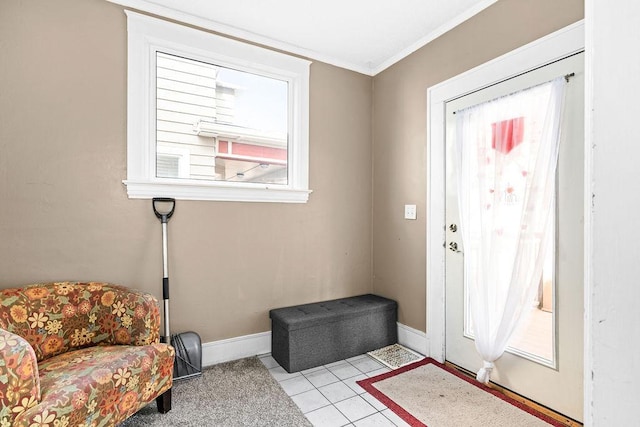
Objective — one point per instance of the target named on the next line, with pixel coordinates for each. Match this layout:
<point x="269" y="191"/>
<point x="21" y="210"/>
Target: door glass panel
<point x="534" y="339"/>
<point x="503" y="159"/>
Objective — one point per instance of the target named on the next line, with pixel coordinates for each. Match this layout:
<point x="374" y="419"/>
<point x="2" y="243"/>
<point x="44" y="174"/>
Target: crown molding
<point x="369" y="69"/>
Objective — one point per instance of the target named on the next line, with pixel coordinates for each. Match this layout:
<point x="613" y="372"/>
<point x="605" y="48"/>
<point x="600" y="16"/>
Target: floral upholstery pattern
<point x="58" y="317"/>
<point x="19" y="381"/>
<point x="79" y="354"/>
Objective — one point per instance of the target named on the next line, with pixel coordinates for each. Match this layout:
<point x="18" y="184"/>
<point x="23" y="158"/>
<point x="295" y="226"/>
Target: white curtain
<point x="506" y="155"/>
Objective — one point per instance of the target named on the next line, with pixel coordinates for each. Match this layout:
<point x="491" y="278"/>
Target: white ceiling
<point x="361" y="35"/>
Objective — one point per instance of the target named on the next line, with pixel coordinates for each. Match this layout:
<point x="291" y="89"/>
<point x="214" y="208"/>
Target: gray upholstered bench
<point x="310" y="335"/>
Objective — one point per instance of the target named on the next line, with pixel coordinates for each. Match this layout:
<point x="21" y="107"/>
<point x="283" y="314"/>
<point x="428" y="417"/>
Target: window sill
<point x="214" y="192"/>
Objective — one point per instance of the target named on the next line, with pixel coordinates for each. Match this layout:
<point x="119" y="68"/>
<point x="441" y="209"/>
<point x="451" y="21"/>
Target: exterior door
<point x="544" y="361"/>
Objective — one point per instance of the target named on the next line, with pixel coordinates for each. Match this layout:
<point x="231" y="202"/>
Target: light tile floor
<point x="329" y="396"/>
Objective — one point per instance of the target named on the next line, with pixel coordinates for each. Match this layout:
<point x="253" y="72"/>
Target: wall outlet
<point x="410" y="212"/>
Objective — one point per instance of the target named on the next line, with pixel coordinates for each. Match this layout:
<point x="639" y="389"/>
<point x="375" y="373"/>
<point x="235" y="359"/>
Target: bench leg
<point x="164" y="402"/>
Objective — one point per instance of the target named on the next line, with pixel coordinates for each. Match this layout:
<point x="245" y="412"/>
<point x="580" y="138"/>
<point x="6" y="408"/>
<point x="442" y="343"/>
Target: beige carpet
<point x="427" y="393"/>
<point x="233" y="394"/>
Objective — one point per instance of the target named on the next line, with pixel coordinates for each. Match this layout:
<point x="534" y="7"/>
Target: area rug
<point x="395" y="356"/>
<point x="238" y="393"/>
<point x="427" y="393"/>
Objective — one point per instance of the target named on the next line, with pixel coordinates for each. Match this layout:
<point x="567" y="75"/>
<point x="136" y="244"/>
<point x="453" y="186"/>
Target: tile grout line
<point x="352" y="362"/>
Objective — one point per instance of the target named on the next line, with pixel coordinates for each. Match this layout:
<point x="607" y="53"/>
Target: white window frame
<point x="146" y="36"/>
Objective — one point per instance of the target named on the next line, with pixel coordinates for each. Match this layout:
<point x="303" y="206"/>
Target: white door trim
<point x="550" y="48"/>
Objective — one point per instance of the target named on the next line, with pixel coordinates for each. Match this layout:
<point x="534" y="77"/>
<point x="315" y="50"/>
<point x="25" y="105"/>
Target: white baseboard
<point x="215" y="352"/>
<point x="235" y="348"/>
<point x="412" y="338"/>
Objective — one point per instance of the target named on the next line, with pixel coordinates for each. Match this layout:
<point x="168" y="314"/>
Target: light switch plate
<point x="410" y="212"/>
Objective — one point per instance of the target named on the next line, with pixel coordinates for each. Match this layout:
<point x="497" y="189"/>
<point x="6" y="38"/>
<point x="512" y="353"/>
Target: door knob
<point x="453" y="246"/>
<point x="453" y="228"/>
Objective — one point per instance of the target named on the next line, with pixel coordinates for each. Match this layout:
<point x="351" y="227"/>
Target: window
<point x="210" y="118"/>
<point x="173" y="163"/>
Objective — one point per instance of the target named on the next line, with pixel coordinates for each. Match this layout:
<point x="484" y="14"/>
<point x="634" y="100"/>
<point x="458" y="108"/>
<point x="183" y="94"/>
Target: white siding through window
<point x="187" y="91"/>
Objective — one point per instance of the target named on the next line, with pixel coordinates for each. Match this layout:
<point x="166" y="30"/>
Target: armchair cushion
<point x="104" y="383"/>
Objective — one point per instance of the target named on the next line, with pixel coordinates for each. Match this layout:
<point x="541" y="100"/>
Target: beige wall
<point x="399" y="119"/>
<point x="64" y="212"/>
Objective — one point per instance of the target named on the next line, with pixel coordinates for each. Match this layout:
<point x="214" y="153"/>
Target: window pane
<point x="219" y="124"/>
<point x="168" y="166"/>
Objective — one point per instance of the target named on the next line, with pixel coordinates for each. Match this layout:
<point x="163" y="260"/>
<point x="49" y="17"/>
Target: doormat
<point x="429" y="394"/>
<point x="395" y="356"/>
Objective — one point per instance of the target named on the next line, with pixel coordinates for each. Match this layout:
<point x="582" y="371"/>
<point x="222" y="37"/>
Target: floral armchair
<point x="80" y="354"/>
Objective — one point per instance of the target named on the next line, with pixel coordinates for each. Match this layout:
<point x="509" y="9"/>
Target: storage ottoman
<point x="310" y="335"/>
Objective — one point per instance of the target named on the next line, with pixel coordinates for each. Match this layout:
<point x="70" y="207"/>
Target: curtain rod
<point x="566" y="78"/>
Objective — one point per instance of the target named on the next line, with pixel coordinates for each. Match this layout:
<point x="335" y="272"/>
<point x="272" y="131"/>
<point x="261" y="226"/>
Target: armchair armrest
<point x="142" y="314"/>
<point x="19" y="380"/>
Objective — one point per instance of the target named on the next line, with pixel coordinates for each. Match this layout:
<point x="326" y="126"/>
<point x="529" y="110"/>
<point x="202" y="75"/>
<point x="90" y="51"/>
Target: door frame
<point x="555" y="46"/>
